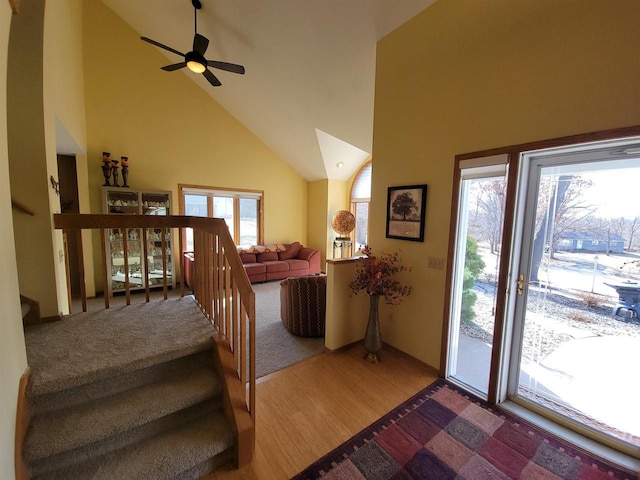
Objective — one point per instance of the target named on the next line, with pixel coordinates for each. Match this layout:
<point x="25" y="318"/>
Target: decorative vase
<point x="124" y="165"/>
<point x="106" y="171"/>
<point x="114" y="173"/>
<point x="373" y="338"/>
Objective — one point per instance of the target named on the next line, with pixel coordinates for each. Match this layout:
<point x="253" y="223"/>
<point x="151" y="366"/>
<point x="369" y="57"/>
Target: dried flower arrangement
<point x="374" y="276"/>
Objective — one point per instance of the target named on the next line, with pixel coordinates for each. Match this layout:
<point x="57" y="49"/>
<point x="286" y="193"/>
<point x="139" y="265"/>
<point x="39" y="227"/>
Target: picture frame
<point x="406" y="212"/>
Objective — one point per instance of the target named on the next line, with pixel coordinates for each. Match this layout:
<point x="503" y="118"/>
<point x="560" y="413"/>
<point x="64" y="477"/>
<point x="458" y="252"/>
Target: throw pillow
<point x="267" y="257"/>
<point x="306" y="253"/>
<point x="248" y="257"/>
<point x="291" y="252"/>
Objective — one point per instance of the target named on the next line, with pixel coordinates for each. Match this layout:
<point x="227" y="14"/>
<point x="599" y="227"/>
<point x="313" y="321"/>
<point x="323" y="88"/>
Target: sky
<point x="616" y="192"/>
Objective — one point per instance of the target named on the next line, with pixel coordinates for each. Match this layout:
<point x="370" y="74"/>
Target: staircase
<point x="129" y="392"/>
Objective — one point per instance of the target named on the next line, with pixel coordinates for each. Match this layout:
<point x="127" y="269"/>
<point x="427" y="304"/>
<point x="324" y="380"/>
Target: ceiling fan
<point x="195" y="60"/>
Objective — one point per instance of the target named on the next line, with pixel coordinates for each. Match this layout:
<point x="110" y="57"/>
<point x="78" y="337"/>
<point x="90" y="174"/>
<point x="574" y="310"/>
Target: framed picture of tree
<point x="406" y="208"/>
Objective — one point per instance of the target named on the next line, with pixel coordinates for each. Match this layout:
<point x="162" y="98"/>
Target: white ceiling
<point x="308" y="90"/>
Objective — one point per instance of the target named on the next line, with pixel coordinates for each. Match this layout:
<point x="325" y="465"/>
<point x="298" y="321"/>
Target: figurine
<point x="106" y="168"/>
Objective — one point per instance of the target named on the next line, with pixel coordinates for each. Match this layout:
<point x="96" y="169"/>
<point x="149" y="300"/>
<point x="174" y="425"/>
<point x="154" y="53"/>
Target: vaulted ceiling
<point x="308" y="91"/>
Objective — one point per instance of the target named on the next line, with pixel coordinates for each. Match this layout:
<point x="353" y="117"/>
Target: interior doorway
<point x="69" y="203"/>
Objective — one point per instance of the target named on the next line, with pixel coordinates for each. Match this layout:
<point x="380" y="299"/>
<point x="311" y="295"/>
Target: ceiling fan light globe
<point x="195" y="66"/>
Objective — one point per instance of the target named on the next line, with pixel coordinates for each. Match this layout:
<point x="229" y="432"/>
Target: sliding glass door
<point x="577" y="289"/>
<point x="544" y="300"/>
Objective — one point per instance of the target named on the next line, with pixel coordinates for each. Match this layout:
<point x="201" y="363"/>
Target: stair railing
<point x="221" y="289"/>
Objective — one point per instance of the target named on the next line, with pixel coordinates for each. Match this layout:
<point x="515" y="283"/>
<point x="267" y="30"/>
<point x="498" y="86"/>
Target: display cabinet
<point x="118" y="201"/>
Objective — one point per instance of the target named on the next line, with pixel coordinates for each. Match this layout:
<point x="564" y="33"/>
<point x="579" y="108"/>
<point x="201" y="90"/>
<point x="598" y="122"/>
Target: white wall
<point x="13" y="359"/>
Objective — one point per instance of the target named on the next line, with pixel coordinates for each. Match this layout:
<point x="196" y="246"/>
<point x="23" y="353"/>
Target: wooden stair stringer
<point x="234" y="403"/>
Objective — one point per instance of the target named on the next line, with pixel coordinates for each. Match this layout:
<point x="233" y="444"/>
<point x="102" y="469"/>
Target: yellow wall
<point x="52" y="99"/>
<point x="337" y="199"/>
<point x="466" y="75"/>
<point x="64" y="109"/>
<point x="36" y="250"/>
<point x="347" y="314"/>
<point x="317" y="218"/>
<point x="326" y="197"/>
<point x="12" y="351"/>
<point x="174" y="132"/>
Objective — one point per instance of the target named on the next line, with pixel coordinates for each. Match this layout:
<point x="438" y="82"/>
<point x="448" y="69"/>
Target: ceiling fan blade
<point x="213" y="80"/>
<point x="200" y="44"/>
<point x="175" y="66"/>
<point x="229" y="67"/>
<point x="158" y="44"/>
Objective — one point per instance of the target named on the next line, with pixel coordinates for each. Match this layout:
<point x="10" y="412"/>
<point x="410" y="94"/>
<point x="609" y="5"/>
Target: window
<point x="240" y="209"/>
<point x="360" y="198"/>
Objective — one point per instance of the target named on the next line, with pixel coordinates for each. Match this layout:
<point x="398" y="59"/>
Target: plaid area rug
<point x="445" y="433"/>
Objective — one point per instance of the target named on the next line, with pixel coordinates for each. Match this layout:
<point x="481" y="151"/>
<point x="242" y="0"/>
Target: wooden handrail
<point x="223" y="292"/>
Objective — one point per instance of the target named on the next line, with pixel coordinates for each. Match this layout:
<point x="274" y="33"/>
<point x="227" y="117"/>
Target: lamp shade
<point x="343" y="222"/>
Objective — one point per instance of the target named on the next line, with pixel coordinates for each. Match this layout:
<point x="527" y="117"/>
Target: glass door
<point x="476" y="271"/>
<point x="575" y="289"/>
<point x="159" y="248"/>
<point x="124" y="202"/>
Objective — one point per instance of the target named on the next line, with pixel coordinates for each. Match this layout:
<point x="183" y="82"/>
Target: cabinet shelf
<point x="118" y="201"/>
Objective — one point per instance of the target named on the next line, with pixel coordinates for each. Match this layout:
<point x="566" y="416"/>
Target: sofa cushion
<point x="297" y="264"/>
<point x="248" y="257"/>
<point x="255" y="268"/>
<point x="267" y="257"/>
<point x="291" y="252"/>
<point x="276" y="266"/>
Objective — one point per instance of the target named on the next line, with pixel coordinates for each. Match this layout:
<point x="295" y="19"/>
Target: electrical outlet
<point x="435" y="263"/>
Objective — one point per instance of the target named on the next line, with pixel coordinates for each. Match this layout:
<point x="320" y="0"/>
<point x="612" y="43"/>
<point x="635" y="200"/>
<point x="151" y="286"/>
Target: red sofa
<point x="270" y="262"/>
<point x="275" y="262"/>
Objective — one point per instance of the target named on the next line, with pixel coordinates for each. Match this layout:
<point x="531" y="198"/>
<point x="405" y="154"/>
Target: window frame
<point x="236" y="193"/>
<point x="354" y="201"/>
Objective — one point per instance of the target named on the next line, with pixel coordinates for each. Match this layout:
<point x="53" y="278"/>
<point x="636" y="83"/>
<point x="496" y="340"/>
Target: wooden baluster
<point x="243" y="345"/>
<point x="107" y="267"/>
<point x="145" y="254"/>
<point x="181" y="260"/>
<point x="163" y="245"/>
<point x="67" y="267"/>
<point x="125" y="248"/>
<point x="83" y="287"/>
<point x="212" y="279"/>
<point x="252" y="356"/>
<point x="227" y="298"/>
<point x="234" y="321"/>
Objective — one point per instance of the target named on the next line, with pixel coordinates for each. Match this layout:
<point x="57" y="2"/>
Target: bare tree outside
<point x="487" y="220"/>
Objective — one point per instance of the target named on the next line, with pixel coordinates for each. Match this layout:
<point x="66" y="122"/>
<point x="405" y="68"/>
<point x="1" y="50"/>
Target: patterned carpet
<point x="444" y="433"/>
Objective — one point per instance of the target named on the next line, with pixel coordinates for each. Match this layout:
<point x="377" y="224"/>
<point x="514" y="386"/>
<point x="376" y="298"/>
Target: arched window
<point x="360" y="198"/>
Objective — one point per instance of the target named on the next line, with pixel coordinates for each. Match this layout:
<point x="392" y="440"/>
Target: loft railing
<point x="221" y="289"/>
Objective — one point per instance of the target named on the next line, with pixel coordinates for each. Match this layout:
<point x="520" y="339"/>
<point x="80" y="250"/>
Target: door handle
<point x="521" y="283"/>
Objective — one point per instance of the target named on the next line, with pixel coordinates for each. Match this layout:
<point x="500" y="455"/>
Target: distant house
<point x="590" y="242"/>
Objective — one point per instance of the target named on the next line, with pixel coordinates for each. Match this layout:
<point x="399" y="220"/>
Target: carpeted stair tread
<point x="125" y="439"/>
<point x="112" y="385"/>
<point x="164" y="456"/>
<point x="80" y="348"/>
<point x="71" y="428"/>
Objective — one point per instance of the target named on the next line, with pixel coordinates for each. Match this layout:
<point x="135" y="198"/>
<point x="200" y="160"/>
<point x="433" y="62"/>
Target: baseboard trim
<point x="413" y="359"/>
<point x="343" y="348"/>
<point x="23" y="416"/>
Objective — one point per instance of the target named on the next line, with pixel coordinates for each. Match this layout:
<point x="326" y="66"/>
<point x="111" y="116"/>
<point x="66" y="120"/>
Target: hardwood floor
<point x="308" y="409"/>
